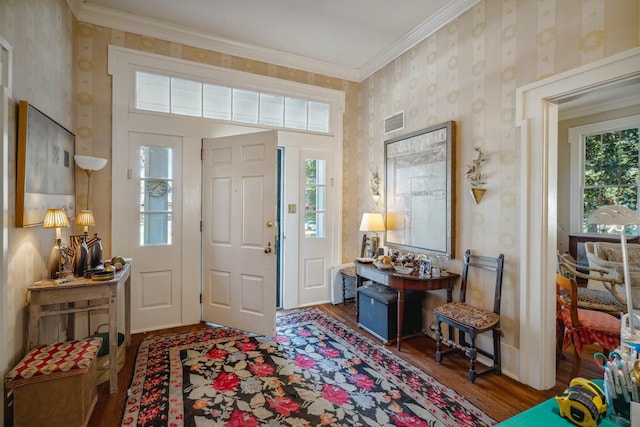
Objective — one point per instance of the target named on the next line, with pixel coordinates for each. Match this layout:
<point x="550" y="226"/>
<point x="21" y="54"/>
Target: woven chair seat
<point x="597" y="299"/>
<point x="468" y="315"/>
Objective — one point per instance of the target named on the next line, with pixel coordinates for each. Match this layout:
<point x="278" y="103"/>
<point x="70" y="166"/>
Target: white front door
<point x="155" y="223"/>
<point x="239" y="231"/>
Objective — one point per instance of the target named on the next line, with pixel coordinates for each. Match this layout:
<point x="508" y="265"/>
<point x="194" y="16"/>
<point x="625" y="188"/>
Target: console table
<point x="46" y="293"/>
<point x="402" y="283"/>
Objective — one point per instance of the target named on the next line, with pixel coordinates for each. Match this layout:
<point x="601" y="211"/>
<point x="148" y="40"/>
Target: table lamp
<point x="55" y="218"/>
<point x="372" y="221"/>
<point x="619" y="217"/>
<point x="85" y="219"/>
<point x="89" y="165"/>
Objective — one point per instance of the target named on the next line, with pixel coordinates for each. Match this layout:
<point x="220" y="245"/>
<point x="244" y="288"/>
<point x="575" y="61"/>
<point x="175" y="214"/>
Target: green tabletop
<point x="547" y="414"/>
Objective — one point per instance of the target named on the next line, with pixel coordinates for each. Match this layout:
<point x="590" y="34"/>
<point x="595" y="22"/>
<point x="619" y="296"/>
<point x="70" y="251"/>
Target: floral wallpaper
<point x="466" y="72"/>
<point x="42" y="34"/>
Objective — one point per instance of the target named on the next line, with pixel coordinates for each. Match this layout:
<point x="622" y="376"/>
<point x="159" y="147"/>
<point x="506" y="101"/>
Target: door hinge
<point x="200" y="298"/>
<point x="201" y="226"/>
<point x="129" y="174"/>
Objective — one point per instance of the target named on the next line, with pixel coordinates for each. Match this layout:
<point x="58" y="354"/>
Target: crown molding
<point x="111" y="18"/>
<point x="423" y="30"/>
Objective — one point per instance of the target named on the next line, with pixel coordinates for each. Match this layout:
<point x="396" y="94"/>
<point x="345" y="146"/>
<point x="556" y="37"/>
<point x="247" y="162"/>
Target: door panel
<point x="154" y="229"/>
<point x="239" y="230"/>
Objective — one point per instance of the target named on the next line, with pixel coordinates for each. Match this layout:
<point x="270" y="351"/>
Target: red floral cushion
<point x="54" y="360"/>
<point x="596" y="328"/>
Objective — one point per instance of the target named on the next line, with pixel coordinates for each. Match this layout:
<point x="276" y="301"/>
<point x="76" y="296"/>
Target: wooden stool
<point x="55" y="385"/>
<point x="348" y="282"/>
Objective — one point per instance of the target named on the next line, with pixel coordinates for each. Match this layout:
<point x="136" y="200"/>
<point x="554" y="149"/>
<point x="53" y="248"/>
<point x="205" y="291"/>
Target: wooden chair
<point x="580" y="327"/>
<point x="607" y="300"/>
<point x="470" y="320"/>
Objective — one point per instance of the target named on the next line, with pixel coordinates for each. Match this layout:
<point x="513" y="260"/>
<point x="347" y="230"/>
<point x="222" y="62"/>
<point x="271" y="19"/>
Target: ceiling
<point x="346" y="39"/>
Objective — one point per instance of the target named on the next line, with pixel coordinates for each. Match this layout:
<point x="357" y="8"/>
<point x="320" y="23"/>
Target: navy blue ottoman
<point x="378" y="311"/>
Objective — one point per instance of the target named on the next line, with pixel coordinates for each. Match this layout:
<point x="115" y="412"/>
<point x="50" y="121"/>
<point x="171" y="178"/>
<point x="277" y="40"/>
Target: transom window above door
<point x="164" y="94"/>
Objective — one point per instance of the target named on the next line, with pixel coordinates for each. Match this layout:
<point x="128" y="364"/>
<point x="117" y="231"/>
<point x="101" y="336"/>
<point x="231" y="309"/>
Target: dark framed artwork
<point x="420" y="190"/>
<point x="45" y="167"/>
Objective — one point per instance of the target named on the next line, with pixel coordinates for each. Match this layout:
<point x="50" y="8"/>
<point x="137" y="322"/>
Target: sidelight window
<point x="156" y="185"/>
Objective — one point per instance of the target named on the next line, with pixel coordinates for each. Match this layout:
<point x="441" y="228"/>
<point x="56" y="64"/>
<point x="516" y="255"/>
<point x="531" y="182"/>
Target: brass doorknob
<point x="267" y="250"/>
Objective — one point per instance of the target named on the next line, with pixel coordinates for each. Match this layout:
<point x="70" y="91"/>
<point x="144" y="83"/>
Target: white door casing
<point x="154" y="230"/>
<point x="122" y="65"/>
<point x="537" y="107"/>
<point x="6" y="69"/>
<point x="239" y="231"/>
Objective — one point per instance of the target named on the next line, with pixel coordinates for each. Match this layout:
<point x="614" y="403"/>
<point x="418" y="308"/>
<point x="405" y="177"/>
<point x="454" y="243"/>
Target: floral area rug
<point x="315" y="372"/>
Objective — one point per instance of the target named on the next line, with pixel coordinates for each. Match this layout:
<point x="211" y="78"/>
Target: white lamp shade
<point x="90" y="163"/>
<point x="614" y="215"/>
<point x="372" y="221"/>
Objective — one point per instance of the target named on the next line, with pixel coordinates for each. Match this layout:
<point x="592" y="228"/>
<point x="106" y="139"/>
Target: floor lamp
<point x="619" y="217"/>
<point x="89" y="165"/>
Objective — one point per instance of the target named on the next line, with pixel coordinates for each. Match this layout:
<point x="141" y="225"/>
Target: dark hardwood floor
<point x="498" y="395"/>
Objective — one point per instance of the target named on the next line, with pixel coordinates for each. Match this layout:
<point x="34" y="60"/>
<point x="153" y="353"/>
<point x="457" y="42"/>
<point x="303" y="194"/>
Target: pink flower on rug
<point x="242" y="419"/>
<point x="395" y="369"/>
<point x="362" y="381"/>
<point x="246" y="346"/>
<point x="305" y="362"/>
<point x="226" y="381"/>
<point x="335" y="394"/>
<point x="329" y="352"/>
<point x="281" y="339"/>
<point x="414" y="382"/>
<point x="304" y="333"/>
<point x="283" y="405"/>
<point x="261" y="369"/>
<point x="216" y="353"/>
<point x="436" y="398"/>
<point x="403" y="419"/>
<point x="463" y="418"/>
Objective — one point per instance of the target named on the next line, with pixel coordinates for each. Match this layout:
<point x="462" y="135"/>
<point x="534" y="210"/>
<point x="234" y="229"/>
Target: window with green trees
<point x="611" y="161"/>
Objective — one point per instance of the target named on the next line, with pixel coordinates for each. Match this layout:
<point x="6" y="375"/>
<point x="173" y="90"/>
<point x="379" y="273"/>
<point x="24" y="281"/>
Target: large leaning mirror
<point x="420" y="190"/>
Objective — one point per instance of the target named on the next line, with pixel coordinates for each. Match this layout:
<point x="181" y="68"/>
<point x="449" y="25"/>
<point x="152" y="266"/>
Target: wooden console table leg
<point x="34" y="325"/>
<point x="113" y="340"/>
<point x="400" y="317"/>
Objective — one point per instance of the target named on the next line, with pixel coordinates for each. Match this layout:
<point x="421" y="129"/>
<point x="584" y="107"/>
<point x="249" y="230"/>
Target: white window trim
<point x="124" y="62"/>
<point x="576" y="138"/>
